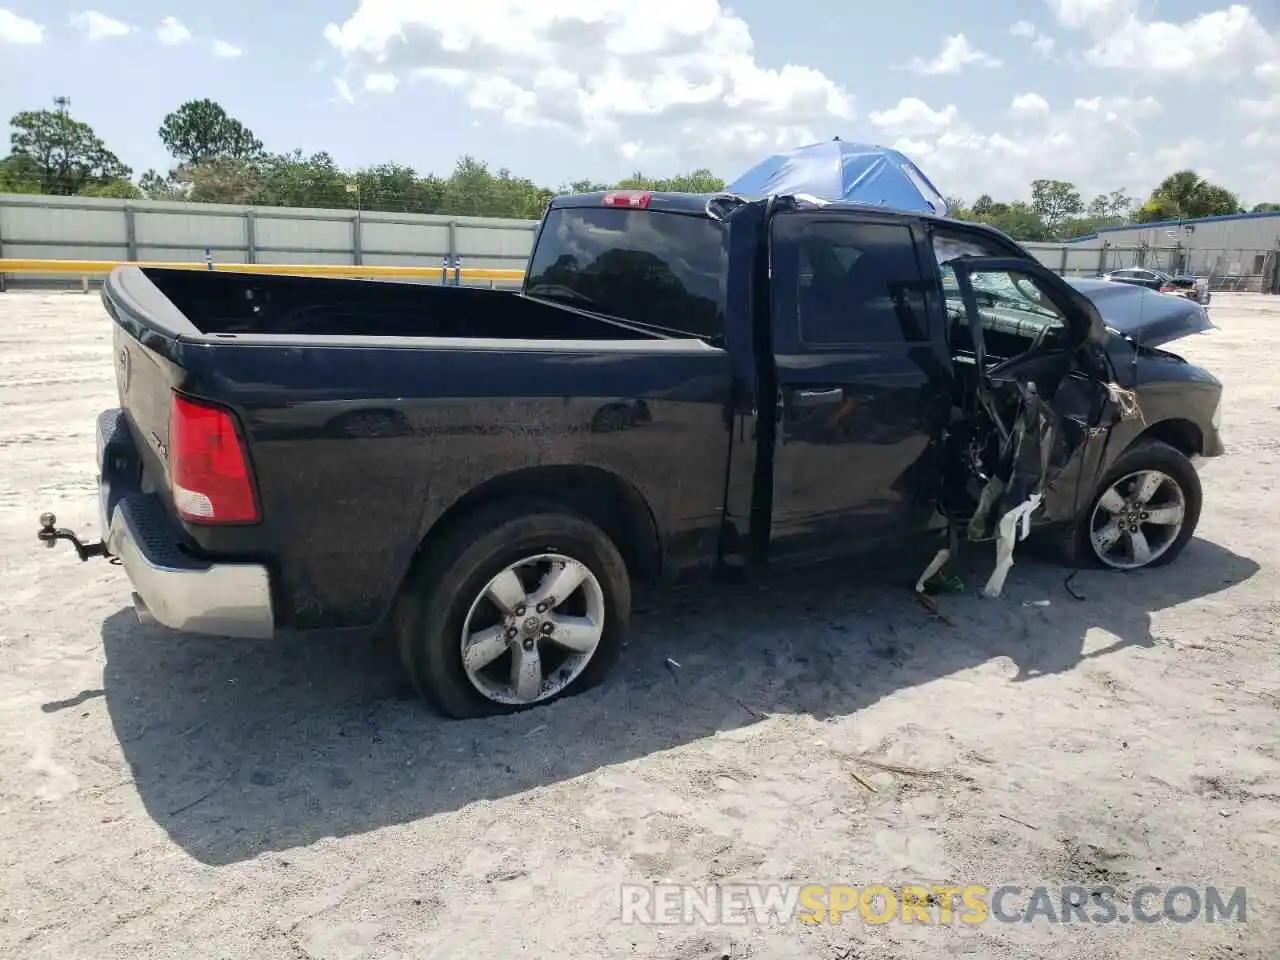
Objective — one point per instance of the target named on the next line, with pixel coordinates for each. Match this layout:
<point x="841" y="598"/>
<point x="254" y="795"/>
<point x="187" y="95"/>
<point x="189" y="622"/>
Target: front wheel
<point x="517" y="605"/>
<point x="1144" y="512"/>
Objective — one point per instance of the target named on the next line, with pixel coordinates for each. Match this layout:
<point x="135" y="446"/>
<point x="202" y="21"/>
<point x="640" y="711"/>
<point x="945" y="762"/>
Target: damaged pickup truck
<point x="684" y="384"/>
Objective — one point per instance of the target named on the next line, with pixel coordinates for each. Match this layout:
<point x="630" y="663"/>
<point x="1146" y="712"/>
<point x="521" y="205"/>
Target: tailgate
<point x="146" y="345"/>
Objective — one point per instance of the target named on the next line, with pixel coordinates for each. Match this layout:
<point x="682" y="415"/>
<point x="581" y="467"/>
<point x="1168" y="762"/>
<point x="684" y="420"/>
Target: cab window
<point x="665" y="270"/>
<point x="847" y="281"/>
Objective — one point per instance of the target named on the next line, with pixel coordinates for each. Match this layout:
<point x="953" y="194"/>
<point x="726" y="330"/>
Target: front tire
<point x="1143" y="514"/>
<point x="518" y="604"/>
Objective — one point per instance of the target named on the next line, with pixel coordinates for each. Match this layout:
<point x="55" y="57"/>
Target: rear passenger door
<point x="863" y="379"/>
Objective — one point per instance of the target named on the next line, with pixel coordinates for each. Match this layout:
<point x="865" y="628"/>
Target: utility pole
<point x="62" y="103"/>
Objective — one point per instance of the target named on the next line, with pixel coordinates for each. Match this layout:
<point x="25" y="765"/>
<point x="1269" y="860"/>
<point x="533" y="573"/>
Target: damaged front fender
<point x="1044" y="418"/>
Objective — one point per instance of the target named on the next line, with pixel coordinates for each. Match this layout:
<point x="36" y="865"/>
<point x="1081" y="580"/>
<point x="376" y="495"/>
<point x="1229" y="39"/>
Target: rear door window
<point x="848" y="281"/>
<point x="665" y="270"/>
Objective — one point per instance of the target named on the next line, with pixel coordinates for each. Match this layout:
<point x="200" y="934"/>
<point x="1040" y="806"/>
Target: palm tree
<point x="1186" y="195"/>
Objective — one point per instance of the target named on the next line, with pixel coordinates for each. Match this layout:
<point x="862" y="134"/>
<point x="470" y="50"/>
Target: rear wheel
<point x="519" y="604"/>
<point x="1143" y="513"/>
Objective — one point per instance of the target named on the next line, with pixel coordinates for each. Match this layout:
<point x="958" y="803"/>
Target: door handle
<point x="810" y="398"/>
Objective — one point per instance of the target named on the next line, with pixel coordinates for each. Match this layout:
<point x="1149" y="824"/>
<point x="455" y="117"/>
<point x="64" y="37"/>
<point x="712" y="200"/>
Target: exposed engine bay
<point x="1032" y="412"/>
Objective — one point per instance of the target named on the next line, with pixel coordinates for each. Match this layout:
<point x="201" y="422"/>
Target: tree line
<point x="217" y="159"/>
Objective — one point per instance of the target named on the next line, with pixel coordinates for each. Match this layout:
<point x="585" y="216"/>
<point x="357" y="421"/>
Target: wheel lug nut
<point x="528" y="643"/>
<point x="542" y="608"/>
<point x="511" y="633"/>
<point x="547" y="628"/>
<point x="520" y="610"/>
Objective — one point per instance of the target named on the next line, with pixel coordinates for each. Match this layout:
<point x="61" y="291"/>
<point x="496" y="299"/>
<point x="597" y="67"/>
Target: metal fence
<point x="1226" y="269"/>
<point x="89" y="229"/>
<point x="1229" y="270"/>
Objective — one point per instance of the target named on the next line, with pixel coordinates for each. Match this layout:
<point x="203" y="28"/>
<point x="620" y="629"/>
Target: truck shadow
<point x="239" y="748"/>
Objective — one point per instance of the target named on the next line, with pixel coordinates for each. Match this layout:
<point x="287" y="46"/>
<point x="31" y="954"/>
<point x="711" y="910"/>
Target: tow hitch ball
<point x="50" y="535"/>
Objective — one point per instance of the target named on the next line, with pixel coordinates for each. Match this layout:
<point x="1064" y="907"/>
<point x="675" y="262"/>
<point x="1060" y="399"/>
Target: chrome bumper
<point x="172" y="588"/>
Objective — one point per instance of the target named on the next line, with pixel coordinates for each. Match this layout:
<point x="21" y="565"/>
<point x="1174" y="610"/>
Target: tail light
<point x="636" y="199"/>
<point x="1168" y="288"/>
<point x="208" y="468"/>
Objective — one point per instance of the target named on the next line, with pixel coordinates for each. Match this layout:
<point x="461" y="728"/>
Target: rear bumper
<point x="172" y="588"/>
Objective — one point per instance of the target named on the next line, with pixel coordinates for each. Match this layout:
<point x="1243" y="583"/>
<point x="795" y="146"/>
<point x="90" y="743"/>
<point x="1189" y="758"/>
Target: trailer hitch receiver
<point x="50" y="534"/>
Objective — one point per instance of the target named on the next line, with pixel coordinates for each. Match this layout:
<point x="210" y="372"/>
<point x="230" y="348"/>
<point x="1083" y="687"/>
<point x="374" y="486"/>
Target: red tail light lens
<point x="635" y="199"/>
<point x="208" y="468"/>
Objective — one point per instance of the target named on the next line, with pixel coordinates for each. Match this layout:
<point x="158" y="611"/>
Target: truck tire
<point x="493" y="578"/>
<point x="1120" y="529"/>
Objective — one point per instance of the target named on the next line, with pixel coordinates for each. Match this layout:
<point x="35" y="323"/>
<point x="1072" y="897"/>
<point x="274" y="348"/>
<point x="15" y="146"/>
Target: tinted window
<point x="848" y="281"/>
<point x="663" y="269"/>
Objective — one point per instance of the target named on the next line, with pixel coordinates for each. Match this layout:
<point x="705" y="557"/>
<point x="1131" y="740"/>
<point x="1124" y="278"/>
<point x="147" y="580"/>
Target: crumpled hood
<point x="1145" y="316"/>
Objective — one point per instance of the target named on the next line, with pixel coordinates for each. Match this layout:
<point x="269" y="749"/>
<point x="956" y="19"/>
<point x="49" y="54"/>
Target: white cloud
<point x="1092" y="143"/>
<point x="675" y="81"/>
<point x="1218" y="43"/>
<point x="172" y="33"/>
<point x="227" y="51"/>
<point x="1263" y="139"/>
<point x="1029" y="105"/>
<point x="1268" y="109"/>
<point x="1041" y="42"/>
<point x="344" y="90"/>
<point x="956" y="54"/>
<point x="381" y="82"/>
<point x="16" y="29"/>
<point x="1114" y="109"/>
<point x="912" y="117"/>
<point x="98" y="26"/>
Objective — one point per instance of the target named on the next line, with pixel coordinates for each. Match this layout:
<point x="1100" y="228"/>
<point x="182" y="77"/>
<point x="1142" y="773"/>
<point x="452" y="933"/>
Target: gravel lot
<point x="189" y="797"/>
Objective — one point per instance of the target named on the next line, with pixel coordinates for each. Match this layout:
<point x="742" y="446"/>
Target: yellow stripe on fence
<point x="81" y="268"/>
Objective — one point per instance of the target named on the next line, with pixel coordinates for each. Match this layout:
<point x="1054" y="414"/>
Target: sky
<point x="984" y="96"/>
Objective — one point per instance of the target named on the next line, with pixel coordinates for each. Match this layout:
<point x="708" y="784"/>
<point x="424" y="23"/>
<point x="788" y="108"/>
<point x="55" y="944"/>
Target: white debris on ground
<point x="191" y="797"/>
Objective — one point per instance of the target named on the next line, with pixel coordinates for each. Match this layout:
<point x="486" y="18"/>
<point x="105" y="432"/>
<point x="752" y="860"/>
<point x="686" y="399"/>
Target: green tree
<point x="1110" y="209"/>
<point x="1055" y="201"/>
<point x="114" y="189"/>
<point x="394" y="187"/>
<point x="697" y="181"/>
<point x="1266" y="208"/>
<point x="19" y="174"/>
<point x="1018" y="219"/>
<point x="220" y="180"/>
<point x="1185" y="195"/>
<point x="296" y="180"/>
<point x="64" y="155"/>
<point x="201" y="130"/>
<point x="157" y="187"/>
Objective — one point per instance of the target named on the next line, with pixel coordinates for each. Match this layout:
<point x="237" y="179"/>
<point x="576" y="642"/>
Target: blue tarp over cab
<point x="841" y="170"/>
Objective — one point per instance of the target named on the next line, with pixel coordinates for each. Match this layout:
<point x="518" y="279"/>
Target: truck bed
<point x="360" y="441"/>
<point x="220" y="304"/>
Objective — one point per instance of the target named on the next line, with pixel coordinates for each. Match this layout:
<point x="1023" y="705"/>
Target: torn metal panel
<point x="1048" y="463"/>
<point x="1023" y="470"/>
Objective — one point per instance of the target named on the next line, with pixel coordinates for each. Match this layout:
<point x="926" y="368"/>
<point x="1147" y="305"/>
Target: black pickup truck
<point x="684" y="384"/>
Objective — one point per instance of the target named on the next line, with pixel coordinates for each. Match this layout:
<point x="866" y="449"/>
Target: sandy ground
<point x="188" y="797"/>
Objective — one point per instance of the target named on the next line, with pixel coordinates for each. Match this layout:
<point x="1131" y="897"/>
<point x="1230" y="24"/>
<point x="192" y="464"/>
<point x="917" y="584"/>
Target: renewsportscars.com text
<point x="675" y="904"/>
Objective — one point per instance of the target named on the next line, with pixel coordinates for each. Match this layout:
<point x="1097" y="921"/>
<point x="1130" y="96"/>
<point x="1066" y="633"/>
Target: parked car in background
<point x="1193" y="288"/>
<point x="1139" y="276"/>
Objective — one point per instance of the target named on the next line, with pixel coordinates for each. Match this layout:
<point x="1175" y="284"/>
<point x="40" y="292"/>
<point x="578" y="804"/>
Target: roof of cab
<point x="696" y="203"/>
<point x="668" y="202"/>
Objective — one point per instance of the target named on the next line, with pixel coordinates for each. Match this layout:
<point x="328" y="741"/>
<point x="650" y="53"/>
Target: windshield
<point x="665" y="270"/>
<point x="997" y="289"/>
